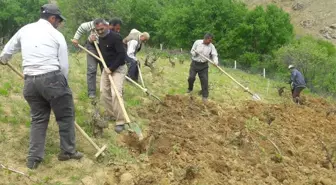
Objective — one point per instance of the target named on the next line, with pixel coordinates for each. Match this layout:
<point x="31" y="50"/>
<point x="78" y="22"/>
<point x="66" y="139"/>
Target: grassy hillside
<point x="230" y="140"/>
<point x="308" y="17"/>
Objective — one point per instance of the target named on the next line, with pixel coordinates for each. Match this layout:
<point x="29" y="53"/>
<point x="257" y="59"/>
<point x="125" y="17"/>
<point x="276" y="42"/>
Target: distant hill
<point x="317" y="18"/>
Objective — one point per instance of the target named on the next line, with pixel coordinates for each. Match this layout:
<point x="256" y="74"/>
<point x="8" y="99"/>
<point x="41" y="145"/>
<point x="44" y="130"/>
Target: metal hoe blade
<point x="152" y="95"/>
<point x="134" y="128"/>
<point x="256" y="97"/>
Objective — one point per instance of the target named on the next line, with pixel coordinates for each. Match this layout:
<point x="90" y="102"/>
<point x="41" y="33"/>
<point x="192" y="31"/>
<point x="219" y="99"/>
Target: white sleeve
<point x="12" y="46"/>
<point x="63" y="56"/>
<point x="214" y="55"/>
<point x="193" y="53"/>
<point x="131" y="49"/>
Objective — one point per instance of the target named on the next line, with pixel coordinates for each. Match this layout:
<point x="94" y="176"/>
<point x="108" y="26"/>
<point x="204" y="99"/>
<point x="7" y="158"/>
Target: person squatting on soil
<point x="134" y="43"/>
<point x="297" y="83"/>
<point x="92" y="63"/>
<point x="199" y="65"/>
<point x="113" y="52"/>
<point x="45" y="67"/>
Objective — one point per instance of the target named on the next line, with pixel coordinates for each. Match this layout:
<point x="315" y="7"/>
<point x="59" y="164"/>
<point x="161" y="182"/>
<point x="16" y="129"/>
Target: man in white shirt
<point x="45" y="67"/>
<point x="199" y="65"/>
<point x="134" y="42"/>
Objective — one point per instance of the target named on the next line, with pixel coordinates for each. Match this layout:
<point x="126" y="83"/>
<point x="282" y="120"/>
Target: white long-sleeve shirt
<point x="43" y="48"/>
<point x="208" y="51"/>
<point x="132" y="47"/>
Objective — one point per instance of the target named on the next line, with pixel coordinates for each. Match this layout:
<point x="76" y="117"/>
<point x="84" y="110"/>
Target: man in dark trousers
<point x="297" y="83"/>
<point x="92" y="63"/>
<point x="45" y="67"/>
<point x="199" y="65"/>
<point x="113" y="51"/>
<point x="134" y="42"/>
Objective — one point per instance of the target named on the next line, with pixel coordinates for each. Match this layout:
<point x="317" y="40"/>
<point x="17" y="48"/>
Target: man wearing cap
<point x="113" y="52"/>
<point x="297" y="83"/>
<point x="45" y="67"/>
<point x="134" y="42"/>
<point x="199" y="65"/>
<point x="92" y="63"/>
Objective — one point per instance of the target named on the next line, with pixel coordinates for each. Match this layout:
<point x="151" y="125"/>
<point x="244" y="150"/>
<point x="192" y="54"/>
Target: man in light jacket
<point x="134" y="41"/>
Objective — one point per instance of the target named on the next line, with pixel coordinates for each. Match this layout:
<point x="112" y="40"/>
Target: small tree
<point x="15" y="14"/>
<point x="316" y="59"/>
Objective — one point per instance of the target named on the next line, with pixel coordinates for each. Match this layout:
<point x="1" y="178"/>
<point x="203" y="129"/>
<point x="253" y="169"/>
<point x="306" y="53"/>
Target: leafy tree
<point x="15" y="14"/>
<point x="80" y="11"/>
<point x="183" y="22"/>
<point x="261" y="32"/>
<point x="316" y="59"/>
<point x="139" y="14"/>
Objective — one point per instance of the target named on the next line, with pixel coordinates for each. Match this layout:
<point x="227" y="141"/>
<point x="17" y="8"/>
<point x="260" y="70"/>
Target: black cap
<point x="52" y="9"/>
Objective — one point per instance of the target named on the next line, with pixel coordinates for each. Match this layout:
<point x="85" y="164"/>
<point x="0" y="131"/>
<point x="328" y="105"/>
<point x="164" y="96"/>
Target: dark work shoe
<point x="189" y="91"/>
<point x="33" y="164"/>
<point x="119" y="128"/>
<point x="64" y="156"/>
<point x="92" y="96"/>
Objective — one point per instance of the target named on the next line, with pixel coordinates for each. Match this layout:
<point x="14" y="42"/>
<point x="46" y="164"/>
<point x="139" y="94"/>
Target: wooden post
<point x="264" y="73"/>
<point x="235" y="65"/>
<point x="161" y="47"/>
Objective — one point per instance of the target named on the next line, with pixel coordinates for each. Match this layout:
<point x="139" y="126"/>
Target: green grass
<point x="15" y="116"/>
<point x="4" y="92"/>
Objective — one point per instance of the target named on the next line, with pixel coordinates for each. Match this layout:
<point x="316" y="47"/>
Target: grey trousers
<point x="91" y="73"/>
<point x="44" y="93"/>
<point x="202" y="70"/>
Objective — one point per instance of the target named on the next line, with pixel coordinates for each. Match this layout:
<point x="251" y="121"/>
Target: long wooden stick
<point x="113" y="85"/>
<point x="275" y="146"/>
<point x="140" y="75"/>
<point x="77" y="126"/>
<point x="90" y="140"/>
<point x="15" y="70"/>
<point x="18" y="172"/>
<point x="245" y="88"/>
<point x="127" y="78"/>
<point x="227" y="74"/>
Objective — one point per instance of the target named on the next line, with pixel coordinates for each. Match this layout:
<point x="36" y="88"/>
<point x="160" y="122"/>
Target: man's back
<point x="40" y="43"/>
<point x="297" y="78"/>
<point x="133" y="35"/>
<point x="43" y="48"/>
